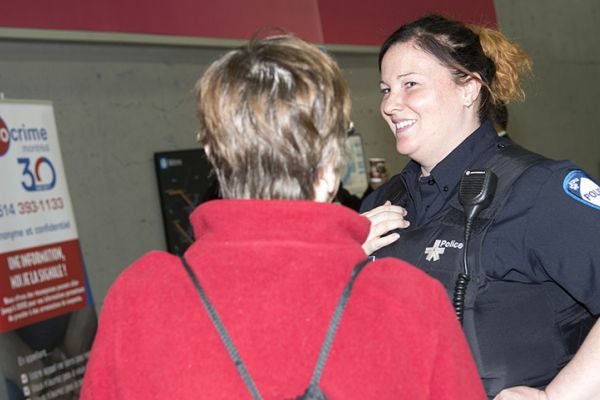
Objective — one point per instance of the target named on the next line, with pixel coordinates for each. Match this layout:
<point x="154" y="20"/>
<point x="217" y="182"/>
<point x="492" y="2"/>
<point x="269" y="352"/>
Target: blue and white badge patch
<point x="582" y="188"/>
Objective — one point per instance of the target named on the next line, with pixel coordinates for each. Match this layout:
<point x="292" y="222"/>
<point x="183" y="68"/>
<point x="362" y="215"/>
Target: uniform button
<point x="445" y="188"/>
<point x="500" y="145"/>
<point x="431" y="181"/>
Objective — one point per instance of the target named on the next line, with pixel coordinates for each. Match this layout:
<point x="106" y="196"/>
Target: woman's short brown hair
<point x="273" y="115"/>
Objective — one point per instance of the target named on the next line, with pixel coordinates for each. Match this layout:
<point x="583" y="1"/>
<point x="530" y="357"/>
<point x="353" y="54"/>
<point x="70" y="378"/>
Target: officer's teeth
<point x="405" y="123"/>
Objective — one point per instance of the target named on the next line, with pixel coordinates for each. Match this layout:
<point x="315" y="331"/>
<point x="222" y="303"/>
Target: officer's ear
<point x="471" y="89"/>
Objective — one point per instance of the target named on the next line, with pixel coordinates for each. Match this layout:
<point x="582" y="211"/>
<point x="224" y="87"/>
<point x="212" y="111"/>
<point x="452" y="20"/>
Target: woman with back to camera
<point x="273" y="258"/>
<point x="530" y="264"/>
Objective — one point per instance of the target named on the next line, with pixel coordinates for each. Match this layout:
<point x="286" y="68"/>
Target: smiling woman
<point x="415" y="88"/>
<point x="526" y="295"/>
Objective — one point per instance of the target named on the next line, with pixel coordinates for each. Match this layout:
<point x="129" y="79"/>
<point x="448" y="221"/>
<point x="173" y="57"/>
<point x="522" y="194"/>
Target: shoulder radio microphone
<point x="475" y="193"/>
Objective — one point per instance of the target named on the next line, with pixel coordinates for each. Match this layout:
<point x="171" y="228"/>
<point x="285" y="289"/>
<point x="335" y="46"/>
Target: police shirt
<point x="548" y="230"/>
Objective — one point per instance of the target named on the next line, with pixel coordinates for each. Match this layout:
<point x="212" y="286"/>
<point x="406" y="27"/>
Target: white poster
<point x="355" y="178"/>
<point x="46" y="322"/>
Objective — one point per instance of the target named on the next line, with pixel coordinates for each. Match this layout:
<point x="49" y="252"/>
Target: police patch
<point x="581" y="187"/>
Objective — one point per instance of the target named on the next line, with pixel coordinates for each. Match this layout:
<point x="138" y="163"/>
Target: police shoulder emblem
<point x="582" y="188"/>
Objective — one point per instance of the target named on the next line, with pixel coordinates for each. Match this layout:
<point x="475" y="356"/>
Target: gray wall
<point x="560" y="117"/>
<point x="117" y="104"/>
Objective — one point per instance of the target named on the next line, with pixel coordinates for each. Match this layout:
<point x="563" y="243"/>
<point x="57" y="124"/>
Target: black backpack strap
<point x="335" y="322"/>
<point x="233" y="353"/>
<point x="235" y="356"/>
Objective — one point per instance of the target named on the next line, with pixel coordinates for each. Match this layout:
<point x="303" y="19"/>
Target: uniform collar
<point x="448" y="172"/>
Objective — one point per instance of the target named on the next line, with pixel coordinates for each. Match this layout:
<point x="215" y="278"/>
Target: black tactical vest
<point x="519" y="333"/>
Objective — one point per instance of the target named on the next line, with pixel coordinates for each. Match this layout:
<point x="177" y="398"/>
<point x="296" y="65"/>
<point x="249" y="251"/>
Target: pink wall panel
<point x="364" y="22"/>
<point x="238" y="19"/>
<point x="369" y="22"/>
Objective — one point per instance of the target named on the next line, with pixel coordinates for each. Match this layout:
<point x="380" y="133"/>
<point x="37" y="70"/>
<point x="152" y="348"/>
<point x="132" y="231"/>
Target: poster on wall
<point x="355" y="178"/>
<point x="185" y="180"/>
<point x="47" y="319"/>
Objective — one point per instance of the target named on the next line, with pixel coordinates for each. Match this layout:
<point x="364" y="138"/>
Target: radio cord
<point x="460" y="287"/>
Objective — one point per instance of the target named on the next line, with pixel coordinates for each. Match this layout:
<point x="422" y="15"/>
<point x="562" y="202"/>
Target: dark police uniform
<point x="534" y="254"/>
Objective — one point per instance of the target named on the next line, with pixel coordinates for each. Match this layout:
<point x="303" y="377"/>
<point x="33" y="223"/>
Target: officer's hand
<point x="383" y="219"/>
<point x="521" y="393"/>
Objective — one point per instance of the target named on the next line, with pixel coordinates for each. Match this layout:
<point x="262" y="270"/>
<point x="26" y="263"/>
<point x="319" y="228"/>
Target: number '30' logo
<point x="41" y="177"/>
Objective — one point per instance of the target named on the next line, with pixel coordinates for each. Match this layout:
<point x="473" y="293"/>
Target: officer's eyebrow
<point x="400" y="76"/>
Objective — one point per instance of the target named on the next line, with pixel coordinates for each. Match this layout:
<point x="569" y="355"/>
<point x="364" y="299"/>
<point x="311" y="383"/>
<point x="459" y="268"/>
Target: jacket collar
<point x="279" y="220"/>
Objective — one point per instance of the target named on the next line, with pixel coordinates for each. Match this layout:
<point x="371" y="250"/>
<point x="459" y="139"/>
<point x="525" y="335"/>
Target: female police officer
<point x="525" y="281"/>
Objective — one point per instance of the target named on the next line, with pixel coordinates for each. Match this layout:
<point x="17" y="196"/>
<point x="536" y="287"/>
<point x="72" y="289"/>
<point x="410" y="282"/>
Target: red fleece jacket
<point x="274" y="270"/>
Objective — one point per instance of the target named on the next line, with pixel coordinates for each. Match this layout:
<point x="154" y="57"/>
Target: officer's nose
<point x="391" y="103"/>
